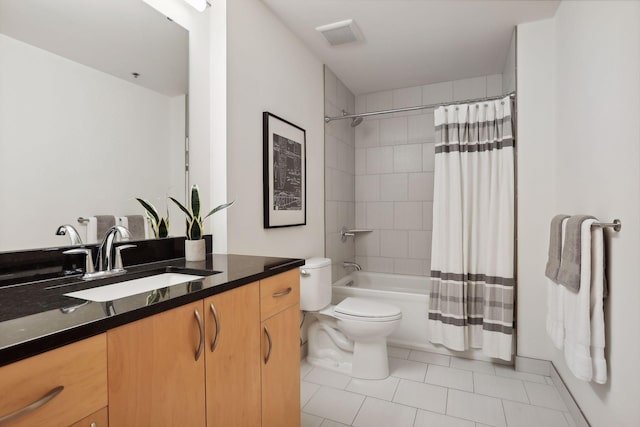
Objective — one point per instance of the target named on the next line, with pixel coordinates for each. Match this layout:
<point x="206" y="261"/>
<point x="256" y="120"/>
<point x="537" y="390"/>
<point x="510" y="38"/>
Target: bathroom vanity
<point x="219" y="351"/>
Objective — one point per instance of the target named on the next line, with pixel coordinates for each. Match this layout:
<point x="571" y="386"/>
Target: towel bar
<point x="85" y="221"/>
<point x="616" y="225"/>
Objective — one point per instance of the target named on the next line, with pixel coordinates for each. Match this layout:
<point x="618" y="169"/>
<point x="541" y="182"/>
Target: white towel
<point x="579" y="323"/>
<point x="597" y="306"/>
<point x="555" y="305"/>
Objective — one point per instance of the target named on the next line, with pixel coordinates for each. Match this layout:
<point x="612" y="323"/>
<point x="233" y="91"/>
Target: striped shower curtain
<point x="472" y="256"/>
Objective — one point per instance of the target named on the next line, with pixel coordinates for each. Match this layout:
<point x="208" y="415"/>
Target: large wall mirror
<point x="93" y="97"/>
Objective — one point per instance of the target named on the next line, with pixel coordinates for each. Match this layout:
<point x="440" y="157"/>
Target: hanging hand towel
<point x="555" y="247"/>
<point x="92" y="230"/>
<point x="104" y="223"/>
<point x="584" y="316"/>
<point x="569" y="273"/>
<point x="136" y="226"/>
<point x="555" y="293"/>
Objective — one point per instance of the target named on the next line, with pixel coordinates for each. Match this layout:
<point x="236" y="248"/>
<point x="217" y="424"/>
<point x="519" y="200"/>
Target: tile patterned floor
<point x="431" y="390"/>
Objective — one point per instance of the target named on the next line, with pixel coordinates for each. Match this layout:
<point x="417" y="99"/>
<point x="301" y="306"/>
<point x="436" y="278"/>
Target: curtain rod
<point x="327" y="119"/>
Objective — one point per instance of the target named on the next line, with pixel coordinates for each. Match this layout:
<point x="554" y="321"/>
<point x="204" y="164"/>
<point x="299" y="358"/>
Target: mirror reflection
<point x="92" y="115"/>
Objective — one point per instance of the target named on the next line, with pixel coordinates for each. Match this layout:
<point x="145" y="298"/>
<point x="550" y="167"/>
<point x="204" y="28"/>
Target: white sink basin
<point x="133" y="287"/>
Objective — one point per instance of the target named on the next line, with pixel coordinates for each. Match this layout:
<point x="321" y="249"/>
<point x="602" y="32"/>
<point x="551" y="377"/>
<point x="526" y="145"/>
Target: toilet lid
<point x="365" y="308"/>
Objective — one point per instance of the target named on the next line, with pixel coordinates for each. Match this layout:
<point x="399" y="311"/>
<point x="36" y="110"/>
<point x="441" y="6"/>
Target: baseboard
<point x="533" y="366"/>
<point x="567" y="398"/>
<point x="547" y="369"/>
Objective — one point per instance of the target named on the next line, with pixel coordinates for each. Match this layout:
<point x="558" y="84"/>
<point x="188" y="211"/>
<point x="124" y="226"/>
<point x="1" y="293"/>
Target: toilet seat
<point x="366" y="310"/>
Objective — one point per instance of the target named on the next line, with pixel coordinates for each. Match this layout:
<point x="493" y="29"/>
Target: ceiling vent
<point x="341" y="32"/>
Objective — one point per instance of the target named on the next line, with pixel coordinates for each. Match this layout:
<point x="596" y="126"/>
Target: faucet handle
<point x="119" y="266"/>
<point x="88" y="260"/>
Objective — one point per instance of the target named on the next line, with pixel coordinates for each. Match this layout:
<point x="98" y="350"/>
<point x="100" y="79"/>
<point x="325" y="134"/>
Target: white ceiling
<point x="118" y="37"/>
<point x="412" y="42"/>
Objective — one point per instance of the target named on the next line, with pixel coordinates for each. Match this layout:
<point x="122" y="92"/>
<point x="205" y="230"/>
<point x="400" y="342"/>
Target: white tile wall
<point x="394" y="187"/>
<point x="394" y="163"/>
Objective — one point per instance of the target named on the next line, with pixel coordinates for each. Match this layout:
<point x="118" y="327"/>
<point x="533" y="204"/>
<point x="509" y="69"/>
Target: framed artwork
<point x="284" y="172"/>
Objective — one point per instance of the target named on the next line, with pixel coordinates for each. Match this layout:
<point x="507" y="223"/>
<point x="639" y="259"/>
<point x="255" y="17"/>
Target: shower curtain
<point x="472" y="261"/>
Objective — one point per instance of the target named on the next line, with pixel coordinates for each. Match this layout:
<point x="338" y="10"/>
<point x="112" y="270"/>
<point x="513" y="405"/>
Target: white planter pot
<point x="195" y="250"/>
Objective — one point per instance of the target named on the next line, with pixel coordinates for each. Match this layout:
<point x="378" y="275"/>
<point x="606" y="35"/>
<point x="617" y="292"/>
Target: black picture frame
<point x="284" y="172"/>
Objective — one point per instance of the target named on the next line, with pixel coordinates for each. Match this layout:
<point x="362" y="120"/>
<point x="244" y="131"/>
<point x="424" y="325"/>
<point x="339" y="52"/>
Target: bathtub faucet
<point x="353" y="265"/>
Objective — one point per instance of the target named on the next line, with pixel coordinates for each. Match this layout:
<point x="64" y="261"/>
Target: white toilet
<point x="350" y="337"/>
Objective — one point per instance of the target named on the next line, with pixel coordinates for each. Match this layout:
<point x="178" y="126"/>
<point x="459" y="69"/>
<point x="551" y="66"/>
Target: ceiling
<point x="412" y="42"/>
<point x="118" y="37"/>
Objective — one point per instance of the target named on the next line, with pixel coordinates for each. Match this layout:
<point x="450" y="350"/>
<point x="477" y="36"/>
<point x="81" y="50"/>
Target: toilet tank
<point x="315" y="284"/>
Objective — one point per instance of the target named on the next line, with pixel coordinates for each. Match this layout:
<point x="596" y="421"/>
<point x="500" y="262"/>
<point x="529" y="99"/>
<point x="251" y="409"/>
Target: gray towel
<point x="136" y="226"/>
<point x="555" y="247"/>
<point x="104" y="223"/>
<point x="569" y="274"/>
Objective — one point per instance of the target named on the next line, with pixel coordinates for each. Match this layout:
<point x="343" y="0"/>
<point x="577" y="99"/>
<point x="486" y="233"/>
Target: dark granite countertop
<point x="36" y="316"/>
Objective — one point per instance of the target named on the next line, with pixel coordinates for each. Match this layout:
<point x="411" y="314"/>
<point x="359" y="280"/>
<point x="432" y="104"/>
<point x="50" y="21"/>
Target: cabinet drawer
<point x="97" y="419"/>
<point x="279" y="292"/>
<point x="81" y="368"/>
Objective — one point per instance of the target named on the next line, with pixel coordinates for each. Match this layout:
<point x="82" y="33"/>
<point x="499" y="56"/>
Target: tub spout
<point x="353" y="265"/>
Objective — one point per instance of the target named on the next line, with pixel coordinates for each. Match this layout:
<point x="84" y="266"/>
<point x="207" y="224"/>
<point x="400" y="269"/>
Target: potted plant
<point x="159" y="225"/>
<point x="194" y="247"/>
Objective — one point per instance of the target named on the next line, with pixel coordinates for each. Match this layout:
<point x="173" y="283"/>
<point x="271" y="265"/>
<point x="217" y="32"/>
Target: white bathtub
<point x="411" y="295"/>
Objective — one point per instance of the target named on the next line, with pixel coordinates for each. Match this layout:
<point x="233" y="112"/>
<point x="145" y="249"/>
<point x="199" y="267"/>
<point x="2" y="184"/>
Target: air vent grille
<point x="341" y="32"/>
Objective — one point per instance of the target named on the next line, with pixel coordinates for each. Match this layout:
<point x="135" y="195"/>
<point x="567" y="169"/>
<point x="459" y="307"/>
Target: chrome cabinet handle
<point x="94" y="425"/>
<point x="201" y="327"/>
<point x="283" y="293"/>
<point x="268" y="355"/>
<point x="214" y="344"/>
<point x="31" y="407"/>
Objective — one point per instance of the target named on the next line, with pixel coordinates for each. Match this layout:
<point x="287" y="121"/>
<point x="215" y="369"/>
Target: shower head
<point x="356" y="121"/>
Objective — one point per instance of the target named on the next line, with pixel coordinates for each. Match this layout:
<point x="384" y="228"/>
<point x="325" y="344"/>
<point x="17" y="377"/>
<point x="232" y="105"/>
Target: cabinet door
<point x="281" y="369"/>
<point x="233" y="366"/>
<point x="56" y="388"/>
<point x="155" y="378"/>
<point x="97" y="419"/>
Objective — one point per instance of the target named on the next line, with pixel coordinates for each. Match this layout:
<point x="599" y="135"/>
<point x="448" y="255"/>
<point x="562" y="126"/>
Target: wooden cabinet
<point x="281" y="369"/>
<point x="280" y="374"/>
<point x="231" y="360"/>
<point x="233" y="357"/>
<point x="97" y="419"/>
<point x="156" y="370"/>
<point x="73" y="378"/>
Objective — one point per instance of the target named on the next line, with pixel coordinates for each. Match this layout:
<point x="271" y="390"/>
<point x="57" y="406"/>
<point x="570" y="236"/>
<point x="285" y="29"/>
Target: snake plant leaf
<point x="219" y="208"/>
<point x="151" y="210"/>
<point x="163" y="227"/>
<point x="182" y="208"/>
<point x="195" y="201"/>
<point x="195" y="230"/>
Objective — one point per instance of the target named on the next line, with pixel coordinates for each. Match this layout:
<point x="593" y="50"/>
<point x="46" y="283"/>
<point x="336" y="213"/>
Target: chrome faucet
<point x="69" y="230"/>
<point x="104" y="262"/>
<point x="353" y="265"/>
<point x="104" y="266"/>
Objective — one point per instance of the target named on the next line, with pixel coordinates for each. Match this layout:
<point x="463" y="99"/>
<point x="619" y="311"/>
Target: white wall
<point x="509" y="70"/>
<point x="394" y="173"/>
<point x="535" y="181"/>
<point x="201" y="119"/>
<point x="69" y="138"/>
<point x="269" y="69"/>
<point x="588" y="56"/>
<point x="340" y="206"/>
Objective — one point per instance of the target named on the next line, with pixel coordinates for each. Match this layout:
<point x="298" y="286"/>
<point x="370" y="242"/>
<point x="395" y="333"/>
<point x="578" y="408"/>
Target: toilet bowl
<point x="350" y="337"/>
